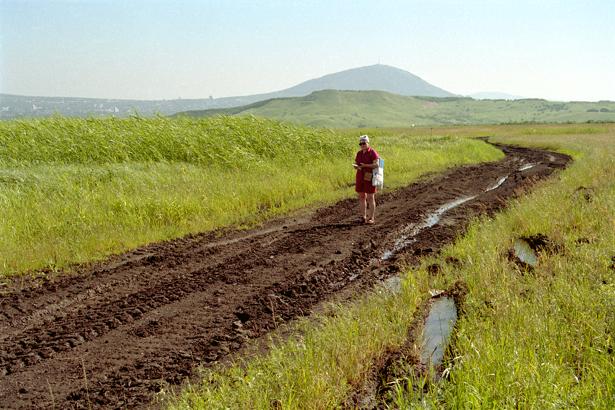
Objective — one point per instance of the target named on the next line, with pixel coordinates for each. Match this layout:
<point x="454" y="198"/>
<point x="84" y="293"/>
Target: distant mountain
<point x="350" y="109"/>
<point x="495" y="95"/>
<point x="375" y="77"/>
<point x="378" y="77"/>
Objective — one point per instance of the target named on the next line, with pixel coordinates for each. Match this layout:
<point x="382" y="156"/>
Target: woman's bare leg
<point x="371" y="206"/>
<point x="362" y="204"/>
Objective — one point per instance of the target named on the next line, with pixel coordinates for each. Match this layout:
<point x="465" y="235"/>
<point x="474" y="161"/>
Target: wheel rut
<point x="112" y="334"/>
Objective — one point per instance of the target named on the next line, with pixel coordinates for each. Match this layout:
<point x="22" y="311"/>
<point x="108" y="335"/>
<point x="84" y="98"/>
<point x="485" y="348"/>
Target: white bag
<point x="378" y="174"/>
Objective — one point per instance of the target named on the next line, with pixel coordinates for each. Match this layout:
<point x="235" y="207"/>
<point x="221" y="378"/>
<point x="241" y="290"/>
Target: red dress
<point x="367" y="157"/>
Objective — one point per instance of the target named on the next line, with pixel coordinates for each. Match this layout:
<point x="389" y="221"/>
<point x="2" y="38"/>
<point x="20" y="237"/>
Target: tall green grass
<point x="545" y="339"/>
<point x="239" y="143"/>
<point x="74" y="190"/>
<point x="540" y="340"/>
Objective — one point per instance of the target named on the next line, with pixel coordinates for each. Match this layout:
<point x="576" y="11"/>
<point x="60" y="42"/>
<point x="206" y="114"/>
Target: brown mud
<point x="113" y="334"/>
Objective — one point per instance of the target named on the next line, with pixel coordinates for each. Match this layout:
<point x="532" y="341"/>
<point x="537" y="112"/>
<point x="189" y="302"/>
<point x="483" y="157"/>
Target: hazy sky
<point x="154" y="49"/>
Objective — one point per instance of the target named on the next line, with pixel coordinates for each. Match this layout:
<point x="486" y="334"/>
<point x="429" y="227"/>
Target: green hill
<point x="331" y="108"/>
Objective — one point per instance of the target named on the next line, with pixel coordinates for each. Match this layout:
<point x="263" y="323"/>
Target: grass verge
<point x="543" y="339"/>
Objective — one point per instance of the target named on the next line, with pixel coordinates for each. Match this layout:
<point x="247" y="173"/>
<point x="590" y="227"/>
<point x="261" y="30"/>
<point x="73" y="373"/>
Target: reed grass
<point x="76" y="190"/>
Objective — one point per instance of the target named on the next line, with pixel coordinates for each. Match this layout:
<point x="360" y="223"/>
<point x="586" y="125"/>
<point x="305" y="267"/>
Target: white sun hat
<point x="363" y="138"/>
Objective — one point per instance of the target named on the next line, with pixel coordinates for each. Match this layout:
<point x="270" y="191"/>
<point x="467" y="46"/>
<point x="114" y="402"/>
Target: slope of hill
<point x="375" y="77"/>
<point x="332" y="108"/>
<point x="495" y="95"/>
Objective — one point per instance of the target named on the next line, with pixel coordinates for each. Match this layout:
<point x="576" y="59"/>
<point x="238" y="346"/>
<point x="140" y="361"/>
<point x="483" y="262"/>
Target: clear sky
<point x="163" y="49"/>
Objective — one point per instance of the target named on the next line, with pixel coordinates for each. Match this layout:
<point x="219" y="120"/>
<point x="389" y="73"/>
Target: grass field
<point x="362" y="109"/>
<point x="540" y="340"/>
<point x="76" y="190"/>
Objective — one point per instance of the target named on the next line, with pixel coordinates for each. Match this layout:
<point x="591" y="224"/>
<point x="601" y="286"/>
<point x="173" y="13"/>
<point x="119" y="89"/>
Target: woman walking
<point x="366" y="161"/>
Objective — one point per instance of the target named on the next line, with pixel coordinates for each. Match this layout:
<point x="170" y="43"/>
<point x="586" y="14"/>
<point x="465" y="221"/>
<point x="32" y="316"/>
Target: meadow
<point x="364" y="109"/>
<point x="525" y="340"/>
<point x="78" y="190"/>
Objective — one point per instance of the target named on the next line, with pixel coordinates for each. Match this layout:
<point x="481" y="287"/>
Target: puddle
<point x="402" y="242"/>
<point x="527" y="248"/>
<point x="387" y="255"/>
<point x="418" y="362"/>
<point x="410" y="231"/>
<point x="497" y="184"/>
<point x="438" y="328"/>
<point x="526" y="167"/>
<point x="525" y="253"/>
<point x="434" y="217"/>
<point x="392" y="284"/>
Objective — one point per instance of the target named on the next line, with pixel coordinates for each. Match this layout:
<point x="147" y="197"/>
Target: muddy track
<point x="113" y="334"/>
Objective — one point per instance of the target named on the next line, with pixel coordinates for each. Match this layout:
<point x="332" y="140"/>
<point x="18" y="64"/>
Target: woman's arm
<point x="370" y="166"/>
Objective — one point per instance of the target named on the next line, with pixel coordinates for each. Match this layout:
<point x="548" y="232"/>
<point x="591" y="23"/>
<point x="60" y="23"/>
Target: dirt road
<point x="113" y="334"/>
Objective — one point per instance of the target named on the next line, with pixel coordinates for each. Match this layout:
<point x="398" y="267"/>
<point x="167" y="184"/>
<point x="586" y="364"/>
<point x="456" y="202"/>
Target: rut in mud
<point x="113" y="334"/>
<point x="419" y="360"/>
